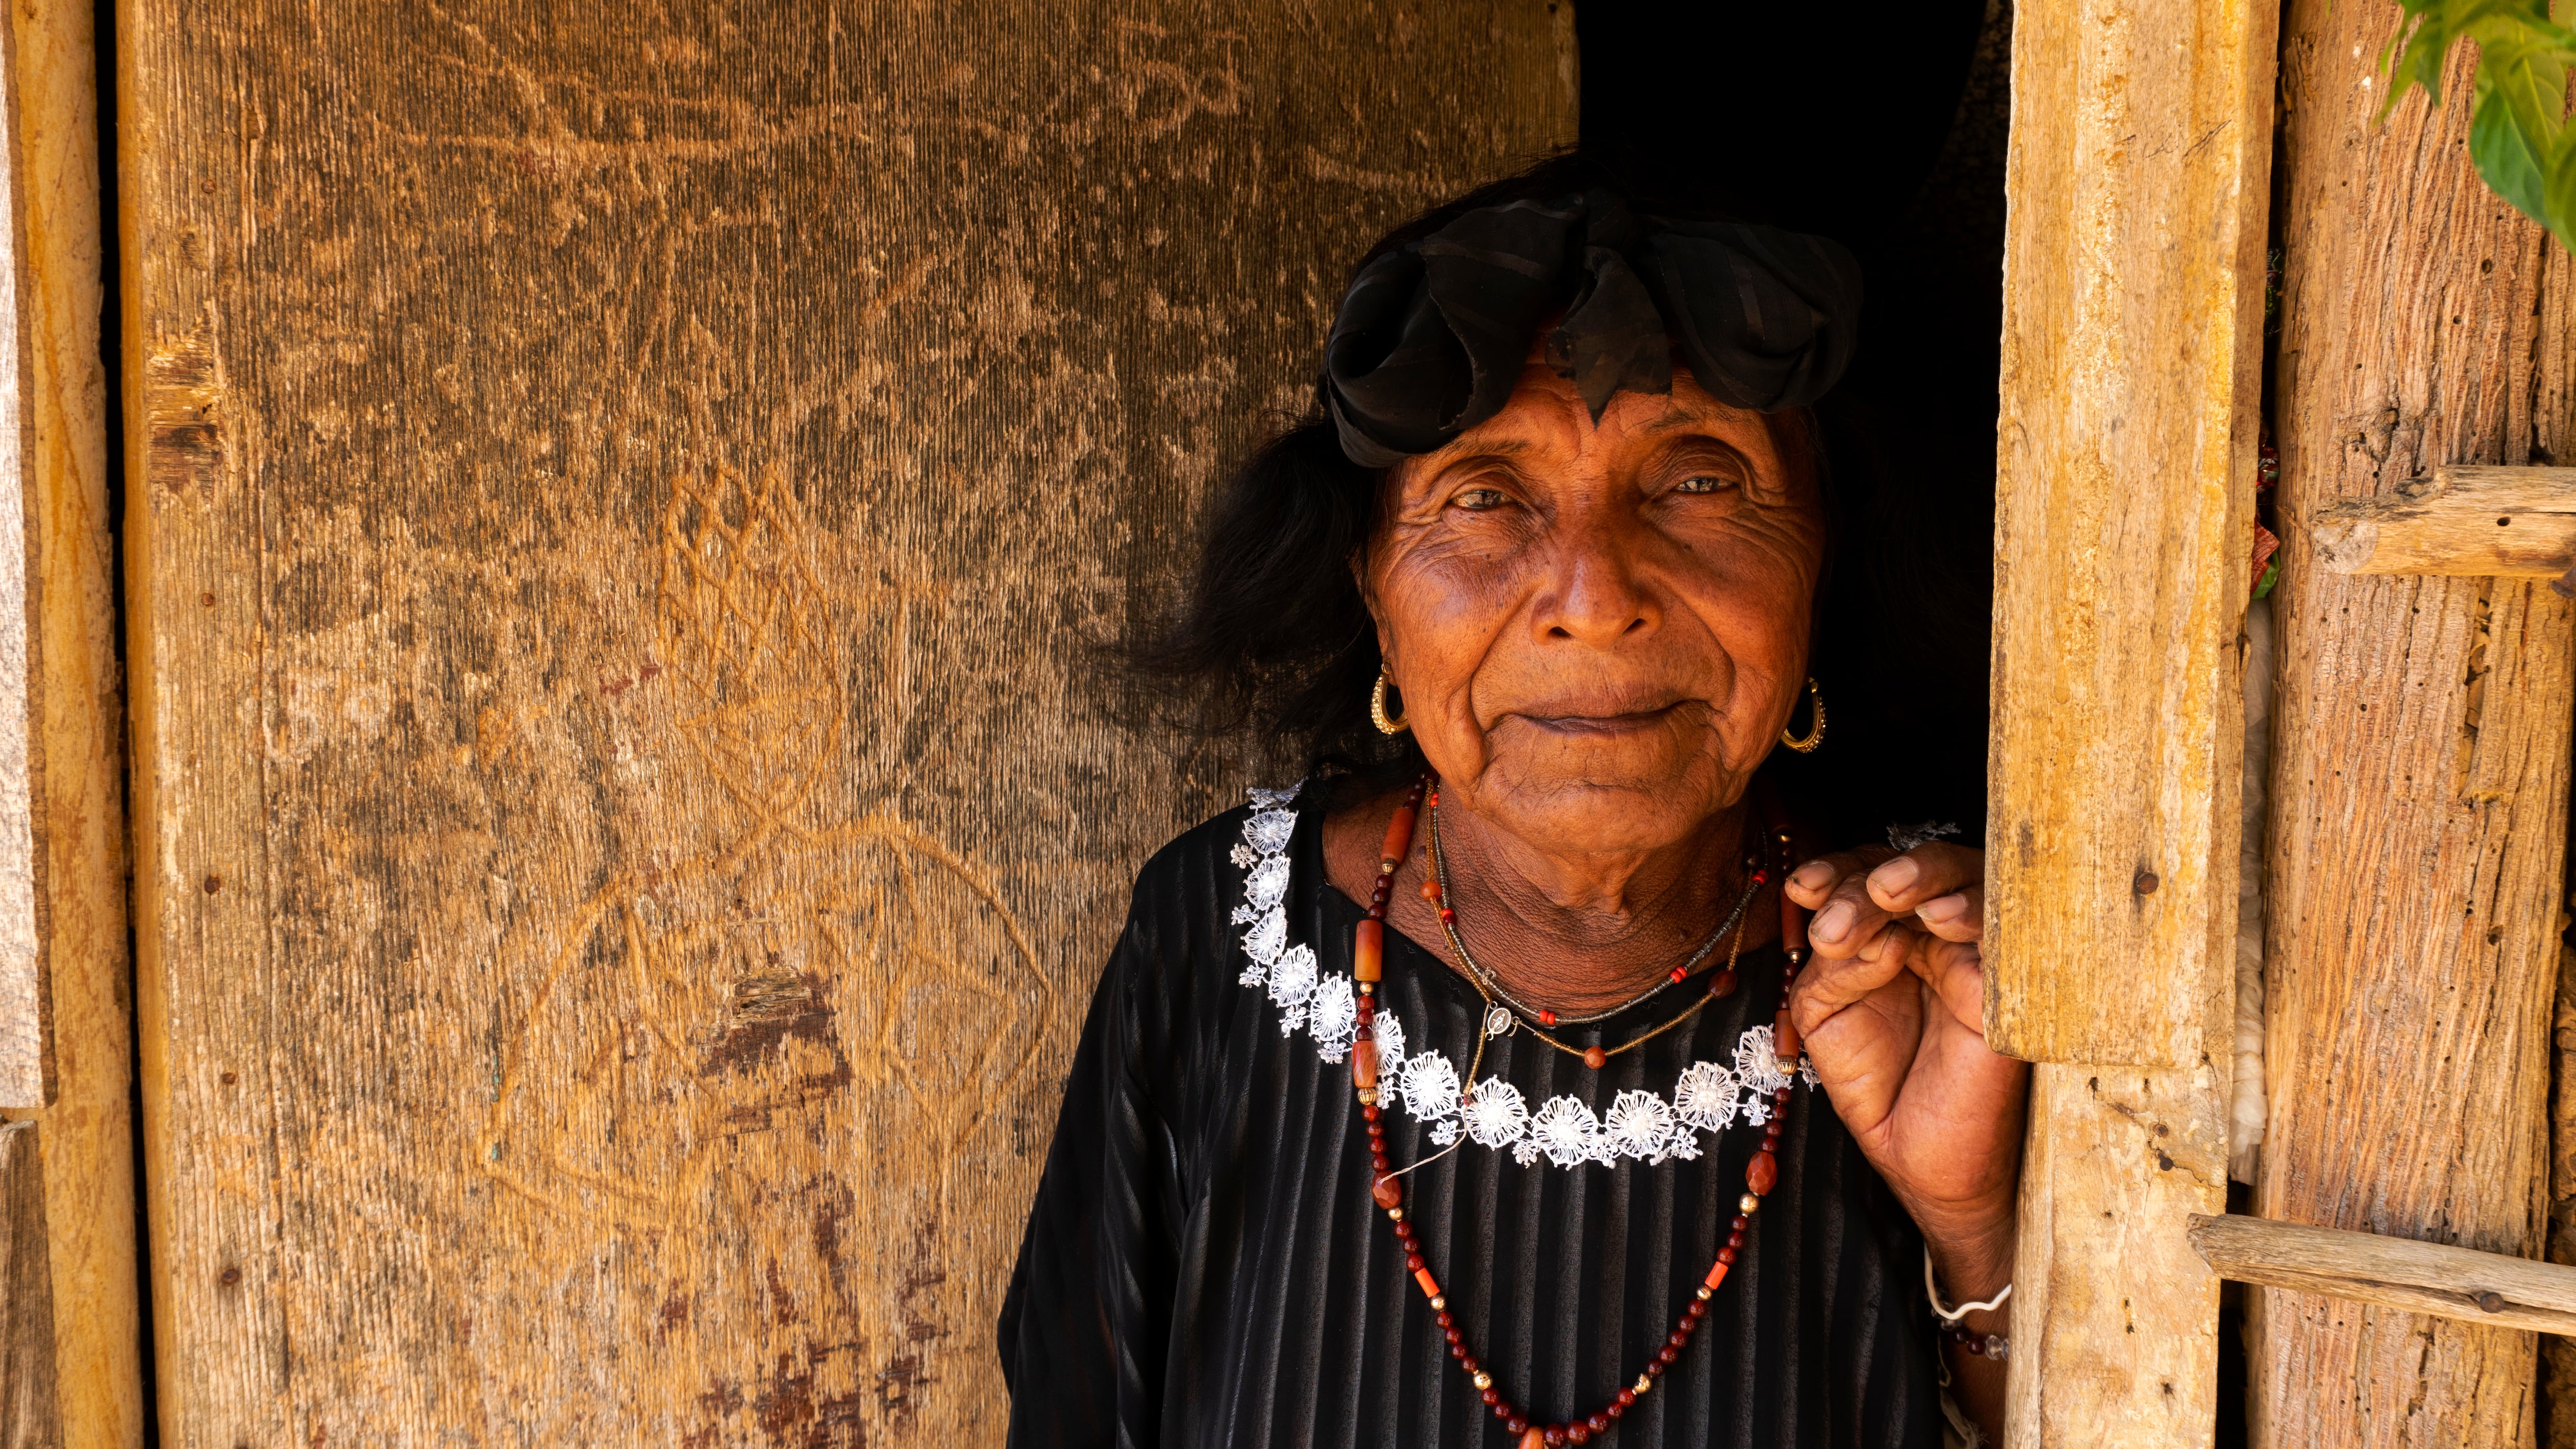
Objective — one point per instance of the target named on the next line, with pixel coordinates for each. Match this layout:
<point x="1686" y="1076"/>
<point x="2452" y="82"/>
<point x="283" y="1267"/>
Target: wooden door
<point x="620" y="497"/>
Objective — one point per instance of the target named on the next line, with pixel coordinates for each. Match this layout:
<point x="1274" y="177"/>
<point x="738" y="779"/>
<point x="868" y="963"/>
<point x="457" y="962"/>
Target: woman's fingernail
<point x="1943" y="908"/>
<point x="1896" y="875"/>
<point x="1815" y="875"/>
<point x="1832" y="921"/>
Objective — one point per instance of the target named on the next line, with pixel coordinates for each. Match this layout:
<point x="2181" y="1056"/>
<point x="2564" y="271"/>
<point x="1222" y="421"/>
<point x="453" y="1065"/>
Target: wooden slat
<point x="2463" y="522"/>
<point x="75" y="754"/>
<point x="2483" y="1288"/>
<point x="2133" y="302"/>
<point x="23" y="1054"/>
<point x="617" y="497"/>
<point x="2124" y="491"/>
<point x="2420" y="755"/>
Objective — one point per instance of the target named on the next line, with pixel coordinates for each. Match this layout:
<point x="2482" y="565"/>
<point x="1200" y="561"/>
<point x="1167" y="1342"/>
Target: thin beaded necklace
<point x="1435" y="889"/>
<point x="1386" y="1187"/>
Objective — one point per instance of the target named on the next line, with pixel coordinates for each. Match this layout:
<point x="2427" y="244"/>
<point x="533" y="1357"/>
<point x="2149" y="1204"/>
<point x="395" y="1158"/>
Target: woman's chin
<point x="1644" y="807"/>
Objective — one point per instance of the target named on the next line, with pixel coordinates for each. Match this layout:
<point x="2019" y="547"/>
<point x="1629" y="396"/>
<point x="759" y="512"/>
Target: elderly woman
<point x="1496" y="1085"/>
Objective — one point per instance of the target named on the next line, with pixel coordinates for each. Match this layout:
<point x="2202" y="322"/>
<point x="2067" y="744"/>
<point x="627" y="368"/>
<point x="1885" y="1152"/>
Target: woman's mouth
<point x="1624" y="722"/>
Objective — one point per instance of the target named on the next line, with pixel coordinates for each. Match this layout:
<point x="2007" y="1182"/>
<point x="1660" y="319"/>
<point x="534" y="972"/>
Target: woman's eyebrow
<point x="1482" y="452"/>
<point x="1684" y="420"/>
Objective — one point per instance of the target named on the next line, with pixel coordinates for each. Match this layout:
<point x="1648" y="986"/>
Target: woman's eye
<point x="1477" y="500"/>
<point x="1705" y="483"/>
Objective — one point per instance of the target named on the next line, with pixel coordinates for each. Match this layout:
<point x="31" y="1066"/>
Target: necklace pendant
<point x="1498" y="1022"/>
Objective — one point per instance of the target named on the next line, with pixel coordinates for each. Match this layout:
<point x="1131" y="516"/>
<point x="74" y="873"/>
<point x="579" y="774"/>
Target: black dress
<point x="1203" y="1265"/>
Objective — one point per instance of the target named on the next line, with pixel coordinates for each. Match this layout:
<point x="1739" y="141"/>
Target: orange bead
<point x="1431" y="891"/>
<point x="1430" y="1285"/>
<point x="1368" y="951"/>
<point x="1399" y="839"/>
<point x="1716" y="1275"/>
<point x="1595" y="1058"/>
<point x="1364" y="1065"/>
<point x="1388" y="1193"/>
<point x="1762" y="1173"/>
<point x="1535" y="1438"/>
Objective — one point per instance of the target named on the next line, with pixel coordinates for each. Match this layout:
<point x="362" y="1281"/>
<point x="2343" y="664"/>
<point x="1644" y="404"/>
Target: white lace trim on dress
<point x="1642" y="1125"/>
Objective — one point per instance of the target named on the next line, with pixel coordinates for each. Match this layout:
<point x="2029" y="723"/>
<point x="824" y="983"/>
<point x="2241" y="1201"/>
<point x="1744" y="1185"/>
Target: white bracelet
<point x="1953" y="1315"/>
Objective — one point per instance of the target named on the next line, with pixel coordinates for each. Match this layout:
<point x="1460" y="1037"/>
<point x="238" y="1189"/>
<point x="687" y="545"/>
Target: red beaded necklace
<point x="1386" y="1188"/>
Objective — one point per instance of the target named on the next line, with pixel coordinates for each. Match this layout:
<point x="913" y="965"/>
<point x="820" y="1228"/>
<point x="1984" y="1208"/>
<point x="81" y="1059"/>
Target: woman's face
<point x="1599" y="631"/>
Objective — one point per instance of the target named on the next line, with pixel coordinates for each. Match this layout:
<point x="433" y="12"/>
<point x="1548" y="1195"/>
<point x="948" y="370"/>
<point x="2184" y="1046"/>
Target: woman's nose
<point x="1598" y="598"/>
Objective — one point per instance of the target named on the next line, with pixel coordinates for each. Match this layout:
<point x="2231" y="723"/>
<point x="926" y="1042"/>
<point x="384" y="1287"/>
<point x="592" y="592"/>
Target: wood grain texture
<point x="2420" y="758"/>
<point x="2133" y="283"/>
<point x="30" y="1414"/>
<point x="2483" y="1288"/>
<point x="620" y="497"/>
<point x="77" y="755"/>
<point x="2460" y="522"/>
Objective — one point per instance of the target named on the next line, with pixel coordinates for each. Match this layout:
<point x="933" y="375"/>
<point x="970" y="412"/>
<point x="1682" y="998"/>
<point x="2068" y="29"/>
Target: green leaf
<point x="2558" y="191"/>
<point x="2513" y="134"/>
<point x="2518" y="133"/>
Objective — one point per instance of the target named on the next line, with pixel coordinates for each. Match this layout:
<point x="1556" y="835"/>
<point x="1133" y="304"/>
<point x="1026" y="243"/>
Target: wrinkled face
<point x="1598" y="632"/>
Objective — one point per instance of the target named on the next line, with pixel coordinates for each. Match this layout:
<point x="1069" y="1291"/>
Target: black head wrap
<point x="1431" y="336"/>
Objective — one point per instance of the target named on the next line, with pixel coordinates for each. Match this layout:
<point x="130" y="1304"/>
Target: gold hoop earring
<point x="1815" y="731"/>
<point x="1387" y="724"/>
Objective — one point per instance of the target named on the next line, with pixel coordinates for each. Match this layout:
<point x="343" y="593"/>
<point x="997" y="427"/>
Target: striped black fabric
<point x="1203" y="1265"/>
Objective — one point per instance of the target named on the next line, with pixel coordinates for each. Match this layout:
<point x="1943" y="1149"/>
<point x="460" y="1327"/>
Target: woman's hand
<point x="1892" y="1009"/>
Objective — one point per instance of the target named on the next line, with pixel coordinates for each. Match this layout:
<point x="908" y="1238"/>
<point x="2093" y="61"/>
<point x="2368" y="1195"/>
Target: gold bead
<point x="1367" y="990"/>
<point x="1438" y="1303"/>
<point x="1395" y="1214"/>
<point x="1746" y="1204"/>
<point x="1484" y="1380"/>
<point x="1705" y="1295"/>
<point x="1368" y="1096"/>
<point x="1643" y="1383"/>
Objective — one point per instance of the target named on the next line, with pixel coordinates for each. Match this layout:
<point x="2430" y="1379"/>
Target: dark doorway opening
<point x="1882" y="127"/>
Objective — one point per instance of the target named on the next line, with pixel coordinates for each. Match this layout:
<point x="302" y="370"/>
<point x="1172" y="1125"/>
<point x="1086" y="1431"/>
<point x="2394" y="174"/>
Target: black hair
<point x="1269" y="644"/>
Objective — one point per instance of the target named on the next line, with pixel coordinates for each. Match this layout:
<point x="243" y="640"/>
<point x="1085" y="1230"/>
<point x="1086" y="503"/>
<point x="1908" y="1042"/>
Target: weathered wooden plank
<point x="30" y="1416"/>
<point x="2420" y="757"/>
<point x="2124" y="492"/>
<point x="2133" y="300"/>
<point x="2430" y="1278"/>
<point x="2463" y="522"/>
<point x="2115" y="1319"/>
<point x="618" y="501"/>
<point x="71" y="892"/>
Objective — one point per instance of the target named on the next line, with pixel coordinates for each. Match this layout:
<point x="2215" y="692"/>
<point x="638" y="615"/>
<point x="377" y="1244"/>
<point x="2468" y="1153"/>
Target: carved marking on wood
<point x="739" y="963"/>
